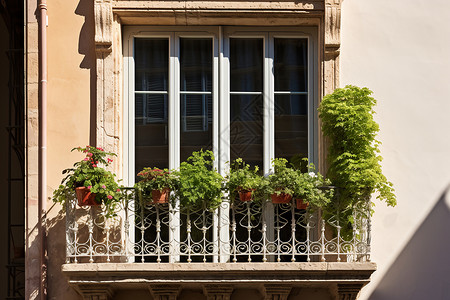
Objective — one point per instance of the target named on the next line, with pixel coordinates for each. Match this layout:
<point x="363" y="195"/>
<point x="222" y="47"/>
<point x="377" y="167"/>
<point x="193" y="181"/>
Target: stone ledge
<point x="131" y="274"/>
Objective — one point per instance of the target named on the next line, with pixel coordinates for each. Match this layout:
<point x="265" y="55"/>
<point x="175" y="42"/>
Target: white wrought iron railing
<point x="235" y="232"/>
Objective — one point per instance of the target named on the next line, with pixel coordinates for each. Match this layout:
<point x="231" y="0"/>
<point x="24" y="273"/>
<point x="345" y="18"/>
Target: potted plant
<point x="353" y="154"/>
<point x="243" y="181"/>
<point x="93" y="185"/>
<point x="199" y="185"/>
<point x="312" y="190"/>
<point x="155" y="184"/>
<point x="281" y="183"/>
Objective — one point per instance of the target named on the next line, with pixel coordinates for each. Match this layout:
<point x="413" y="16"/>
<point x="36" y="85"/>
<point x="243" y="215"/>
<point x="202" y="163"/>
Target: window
<point x="241" y="92"/>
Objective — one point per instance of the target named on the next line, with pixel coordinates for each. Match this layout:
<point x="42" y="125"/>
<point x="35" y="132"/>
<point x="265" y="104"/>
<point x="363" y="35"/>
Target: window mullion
<point x="269" y="124"/>
<point x="174" y="100"/>
<point x="174" y="142"/>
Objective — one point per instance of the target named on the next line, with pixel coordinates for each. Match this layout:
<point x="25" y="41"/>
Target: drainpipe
<point x="42" y="206"/>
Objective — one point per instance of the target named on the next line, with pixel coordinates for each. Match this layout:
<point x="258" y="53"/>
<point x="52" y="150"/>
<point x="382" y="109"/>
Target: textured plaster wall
<point x="400" y="49"/>
<point x="71" y="62"/>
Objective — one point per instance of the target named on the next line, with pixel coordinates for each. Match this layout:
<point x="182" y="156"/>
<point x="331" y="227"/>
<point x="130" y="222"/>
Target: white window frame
<point x="221" y="96"/>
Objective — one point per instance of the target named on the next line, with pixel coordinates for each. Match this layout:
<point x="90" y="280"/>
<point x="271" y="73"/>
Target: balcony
<point x="236" y="232"/>
<point x="239" y="243"/>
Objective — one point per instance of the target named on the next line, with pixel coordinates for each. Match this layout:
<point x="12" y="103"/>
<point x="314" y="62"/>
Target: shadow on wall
<point x="58" y="287"/>
<point x="86" y="47"/>
<point x="422" y="271"/>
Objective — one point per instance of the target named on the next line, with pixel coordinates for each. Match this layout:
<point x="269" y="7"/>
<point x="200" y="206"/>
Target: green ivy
<point x="353" y="157"/>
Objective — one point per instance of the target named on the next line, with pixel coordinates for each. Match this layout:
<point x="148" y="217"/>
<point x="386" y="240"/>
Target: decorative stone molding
<point x="276" y="291"/>
<point x="165" y="291"/>
<point x="348" y="291"/>
<point x="333" y="24"/>
<point x="332" y="44"/>
<point x="218" y="292"/>
<point x="108" y="67"/>
<point x="103" y="25"/>
<point x="95" y="292"/>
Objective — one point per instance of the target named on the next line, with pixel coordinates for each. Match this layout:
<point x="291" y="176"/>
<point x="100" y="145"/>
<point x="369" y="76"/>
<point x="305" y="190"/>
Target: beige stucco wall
<point x="70" y="70"/>
<point x="400" y="49"/>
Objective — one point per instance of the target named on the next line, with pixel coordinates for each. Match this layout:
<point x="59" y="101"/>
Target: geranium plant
<point x="199" y="184"/>
<point x="90" y="175"/>
<point x="155" y="183"/>
<point x="243" y="180"/>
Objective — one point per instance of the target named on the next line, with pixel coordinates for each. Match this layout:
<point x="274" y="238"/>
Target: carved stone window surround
<point x="111" y="15"/>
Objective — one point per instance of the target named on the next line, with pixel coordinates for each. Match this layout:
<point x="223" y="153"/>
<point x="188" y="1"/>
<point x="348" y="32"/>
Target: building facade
<point x="155" y="80"/>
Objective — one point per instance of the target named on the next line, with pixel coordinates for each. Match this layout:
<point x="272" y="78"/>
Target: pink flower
<point x="118" y="190"/>
<point x="104" y="186"/>
<point x="94" y="165"/>
<point x="101" y="149"/>
<point x="90" y="154"/>
<point x="110" y="197"/>
<point x="90" y="187"/>
<point x="86" y="159"/>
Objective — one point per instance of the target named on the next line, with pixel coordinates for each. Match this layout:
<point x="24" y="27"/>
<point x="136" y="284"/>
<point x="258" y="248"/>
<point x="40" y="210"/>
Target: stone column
<point x="165" y="291"/>
<point x="348" y="291"/>
<point x="217" y="292"/>
<point x="276" y="291"/>
<point x="95" y="292"/>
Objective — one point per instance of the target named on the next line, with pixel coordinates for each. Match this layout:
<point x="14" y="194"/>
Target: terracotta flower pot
<point x="245" y="195"/>
<point x="161" y="197"/>
<point x="301" y="204"/>
<point x="85" y="197"/>
<point x="281" y="198"/>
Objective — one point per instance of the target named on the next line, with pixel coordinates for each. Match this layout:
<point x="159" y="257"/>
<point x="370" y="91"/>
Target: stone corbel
<point x="276" y="291"/>
<point x="103" y="25"/>
<point x="165" y="291"/>
<point x="332" y="26"/>
<point x="349" y="291"/>
<point x="96" y="292"/>
<point x="217" y="292"/>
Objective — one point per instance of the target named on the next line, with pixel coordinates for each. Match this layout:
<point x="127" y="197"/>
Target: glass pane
<point x="291" y="128"/>
<point x="195" y="64"/>
<point x="291" y="65"/>
<point x="246" y="128"/>
<point x="151" y="132"/>
<point x="151" y="64"/>
<point x="246" y="65"/>
<point x="196" y="124"/>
